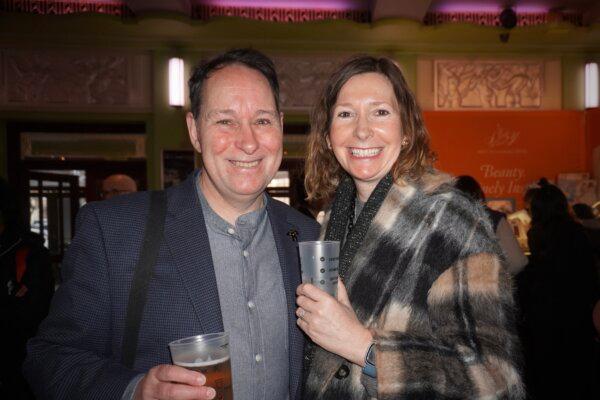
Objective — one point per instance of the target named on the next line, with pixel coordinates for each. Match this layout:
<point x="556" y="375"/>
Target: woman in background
<point x="515" y="259"/>
<point x="425" y="308"/>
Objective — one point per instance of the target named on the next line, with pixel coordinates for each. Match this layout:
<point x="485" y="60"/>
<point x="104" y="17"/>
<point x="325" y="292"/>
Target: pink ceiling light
<point x="486" y="7"/>
<point x="306" y="4"/>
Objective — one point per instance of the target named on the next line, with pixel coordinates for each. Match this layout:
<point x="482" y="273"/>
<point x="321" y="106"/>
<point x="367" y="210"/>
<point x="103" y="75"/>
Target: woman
<point x="426" y="308"/>
<point x="515" y="259"/>
<point x="562" y="297"/>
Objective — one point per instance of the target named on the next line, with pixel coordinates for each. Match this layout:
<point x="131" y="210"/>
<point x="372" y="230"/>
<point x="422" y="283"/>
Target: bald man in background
<point x="117" y="184"/>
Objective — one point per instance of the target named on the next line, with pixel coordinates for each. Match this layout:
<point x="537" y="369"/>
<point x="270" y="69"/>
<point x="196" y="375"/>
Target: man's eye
<point x="263" y="121"/>
<point x="382" y="112"/>
<point x="225" y="122"/>
<point x="343" y="114"/>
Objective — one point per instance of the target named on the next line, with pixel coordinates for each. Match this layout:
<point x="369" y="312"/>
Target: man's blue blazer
<point x="76" y="354"/>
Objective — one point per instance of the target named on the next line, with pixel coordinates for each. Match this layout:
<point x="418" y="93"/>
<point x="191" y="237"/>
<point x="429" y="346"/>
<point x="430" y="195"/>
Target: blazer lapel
<point x="187" y="238"/>
<point x="287" y="251"/>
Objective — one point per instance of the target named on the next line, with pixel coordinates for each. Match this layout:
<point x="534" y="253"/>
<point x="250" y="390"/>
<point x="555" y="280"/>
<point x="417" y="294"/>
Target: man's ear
<point x="281" y="120"/>
<point x="193" y="131"/>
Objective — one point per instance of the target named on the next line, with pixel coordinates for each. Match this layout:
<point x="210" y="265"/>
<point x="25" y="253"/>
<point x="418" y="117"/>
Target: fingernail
<point x="201" y="379"/>
<point x="211" y="393"/>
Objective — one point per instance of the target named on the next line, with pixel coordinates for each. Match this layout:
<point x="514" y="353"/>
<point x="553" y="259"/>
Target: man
<point x="228" y="262"/>
<point x="117" y="184"/>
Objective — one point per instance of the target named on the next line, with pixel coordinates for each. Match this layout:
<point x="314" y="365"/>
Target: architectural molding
<point x="276" y="14"/>
<point x="58" y="7"/>
<point x="493" y="18"/>
<point x="198" y="11"/>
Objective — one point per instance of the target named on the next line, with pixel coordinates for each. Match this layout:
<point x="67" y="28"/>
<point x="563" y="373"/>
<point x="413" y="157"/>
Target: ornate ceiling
<point x="482" y="12"/>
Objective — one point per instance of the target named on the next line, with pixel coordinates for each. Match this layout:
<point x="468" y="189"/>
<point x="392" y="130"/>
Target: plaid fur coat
<point x="428" y="279"/>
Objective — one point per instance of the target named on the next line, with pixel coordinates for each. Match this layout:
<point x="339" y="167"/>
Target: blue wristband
<point x="370" y="369"/>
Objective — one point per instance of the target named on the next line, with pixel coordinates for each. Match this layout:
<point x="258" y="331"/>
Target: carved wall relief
<point x="302" y="79"/>
<point x="74" y="80"/>
<point x="464" y="84"/>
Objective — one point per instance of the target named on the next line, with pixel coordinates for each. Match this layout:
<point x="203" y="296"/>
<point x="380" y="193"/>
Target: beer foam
<point x="201" y="363"/>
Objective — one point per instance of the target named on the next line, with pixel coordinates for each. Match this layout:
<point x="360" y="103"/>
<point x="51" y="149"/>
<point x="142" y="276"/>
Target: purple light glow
<point x="532" y="9"/>
<point x="297" y="4"/>
<point x="487" y="7"/>
<point x="115" y="2"/>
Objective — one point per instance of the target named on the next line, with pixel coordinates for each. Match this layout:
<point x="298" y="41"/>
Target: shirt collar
<point x="246" y="222"/>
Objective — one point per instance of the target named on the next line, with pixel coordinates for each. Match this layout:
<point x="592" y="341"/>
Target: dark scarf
<point x="342" y="218"/>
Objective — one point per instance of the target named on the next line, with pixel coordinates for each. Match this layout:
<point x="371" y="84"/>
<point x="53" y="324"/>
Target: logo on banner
<point x="502" y="141"/>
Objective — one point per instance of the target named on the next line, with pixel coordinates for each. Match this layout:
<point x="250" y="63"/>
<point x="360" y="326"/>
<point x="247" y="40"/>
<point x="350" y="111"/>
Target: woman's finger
<point x="312" y="292"/>
<point x="302" y="324"/>
<point x="300" y="312"/>
<point x="307" y="304"/>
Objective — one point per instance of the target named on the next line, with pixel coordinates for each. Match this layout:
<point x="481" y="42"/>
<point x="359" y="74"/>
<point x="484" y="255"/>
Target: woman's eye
<point x="382" y="112"/>
<point x="343" y="114"/>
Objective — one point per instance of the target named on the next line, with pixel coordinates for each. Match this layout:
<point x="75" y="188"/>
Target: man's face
<point x="239" y="134"/>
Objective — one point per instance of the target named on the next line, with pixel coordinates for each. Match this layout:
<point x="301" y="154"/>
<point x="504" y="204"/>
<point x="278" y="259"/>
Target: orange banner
<point x="506" y="151"/>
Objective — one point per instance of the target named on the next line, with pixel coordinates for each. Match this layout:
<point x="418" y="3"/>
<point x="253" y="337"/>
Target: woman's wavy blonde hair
<point x="322" y="170"/>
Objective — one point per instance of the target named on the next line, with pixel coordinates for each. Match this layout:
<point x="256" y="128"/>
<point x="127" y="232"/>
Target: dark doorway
<point x="58" y="167"/>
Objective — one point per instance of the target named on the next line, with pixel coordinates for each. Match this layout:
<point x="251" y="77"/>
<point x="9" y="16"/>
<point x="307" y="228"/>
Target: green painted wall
<point x="164" y="36"/>
<point x="573" y="82"/>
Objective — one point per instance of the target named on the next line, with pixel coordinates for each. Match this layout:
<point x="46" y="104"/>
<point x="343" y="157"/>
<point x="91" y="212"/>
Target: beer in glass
<point x="209" y="355"/>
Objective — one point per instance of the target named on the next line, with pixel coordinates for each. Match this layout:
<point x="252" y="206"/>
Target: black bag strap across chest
<point x="144" y="270"/>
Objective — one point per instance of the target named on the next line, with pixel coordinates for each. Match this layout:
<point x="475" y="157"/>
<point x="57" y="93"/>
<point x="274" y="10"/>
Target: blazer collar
<point x="187" y="238"/>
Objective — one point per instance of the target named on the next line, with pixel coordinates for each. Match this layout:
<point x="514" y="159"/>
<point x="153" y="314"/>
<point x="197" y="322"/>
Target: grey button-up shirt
<point x="253" y="302"/>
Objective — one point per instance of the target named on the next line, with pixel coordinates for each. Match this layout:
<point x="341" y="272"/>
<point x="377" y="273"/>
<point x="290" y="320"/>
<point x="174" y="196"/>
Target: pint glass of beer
<point x="209" y="355"/>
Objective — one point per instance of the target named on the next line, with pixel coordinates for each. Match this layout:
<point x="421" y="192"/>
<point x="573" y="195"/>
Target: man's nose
<point x="247" y="139"/>
<point x="363" y="129"/>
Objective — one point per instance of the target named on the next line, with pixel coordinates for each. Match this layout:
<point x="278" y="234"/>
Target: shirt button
<point x="245" y="253"/>
<point x="258" y="358"/>
<point x="231" y="231"/>
<point x="251" y="305"/>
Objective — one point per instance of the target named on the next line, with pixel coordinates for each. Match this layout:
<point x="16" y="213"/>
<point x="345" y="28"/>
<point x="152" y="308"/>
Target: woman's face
<point x="365" y="133"/>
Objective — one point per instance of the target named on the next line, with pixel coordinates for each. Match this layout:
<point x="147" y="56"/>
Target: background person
<point x="116" y="184"/>
<point x="515" y="258"/>
<point x="427" y="307"/>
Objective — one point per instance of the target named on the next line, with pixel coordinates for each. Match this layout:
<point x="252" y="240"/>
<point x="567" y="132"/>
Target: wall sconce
<point x="176" y="85"/>
<point x="591" y="85"/>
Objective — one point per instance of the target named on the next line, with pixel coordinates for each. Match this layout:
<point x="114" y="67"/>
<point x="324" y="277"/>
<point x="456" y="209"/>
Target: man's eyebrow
<point x="213" y="113"/>
<point x="272" y="113"/>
